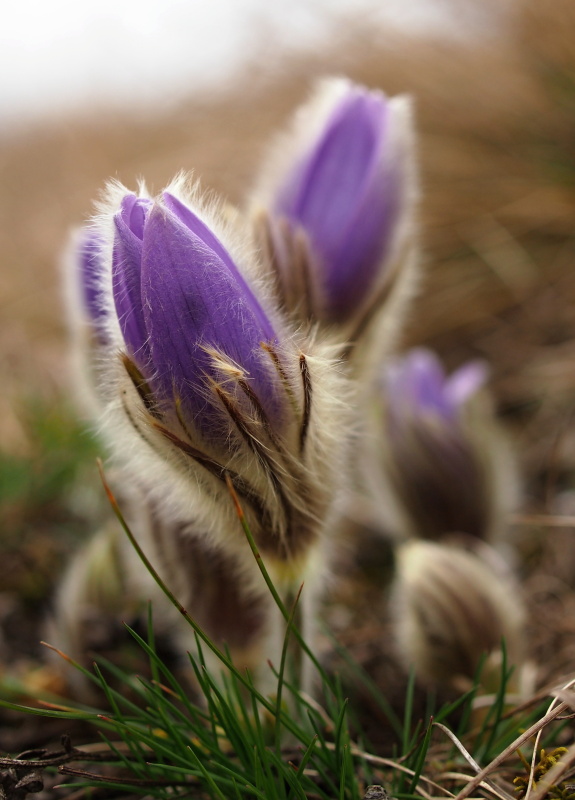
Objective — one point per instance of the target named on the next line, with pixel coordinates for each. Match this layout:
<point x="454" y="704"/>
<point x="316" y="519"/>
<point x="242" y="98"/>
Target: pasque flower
<point x="205" y="381"/>
<point x="417" y="387"/>
<point x="442" y="461"/>
<point x="86" y="299"/>
<point x="87" y="306"/>
<point x="201" y="382"/>
<point x="89" y="254"/>
<point x="335" y="204"/>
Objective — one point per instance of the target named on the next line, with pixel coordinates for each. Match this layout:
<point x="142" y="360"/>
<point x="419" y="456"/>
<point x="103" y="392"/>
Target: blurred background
<point x="126" y="89"/>
<point x="71" y="56"/>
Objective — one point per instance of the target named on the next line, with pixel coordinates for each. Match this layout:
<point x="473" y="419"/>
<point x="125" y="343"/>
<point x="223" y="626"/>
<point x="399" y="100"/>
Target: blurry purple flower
<point x="87" y="256"/>
<point x="436" y="446"/>
<point x="418" y="386"/>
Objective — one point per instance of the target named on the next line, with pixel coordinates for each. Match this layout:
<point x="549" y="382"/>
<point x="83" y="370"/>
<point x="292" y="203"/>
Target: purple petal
<point x="465" y="382"/>
<point x="126" y="275"/>
<point x="416" y="384"/>
<point x="428" y="382"/>
<point x="193" y="297"/>
<point x="133" y="211"/>
<point x="344" y="196"/>
<point x="91" y="267"/>
<point x="205" y="235"/>
<point x="340" y="160"/>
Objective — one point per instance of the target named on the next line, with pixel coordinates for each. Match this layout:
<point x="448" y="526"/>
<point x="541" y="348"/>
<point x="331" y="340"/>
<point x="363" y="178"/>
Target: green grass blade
<point x="208" y="778"/>
<point x="421" y="756"/>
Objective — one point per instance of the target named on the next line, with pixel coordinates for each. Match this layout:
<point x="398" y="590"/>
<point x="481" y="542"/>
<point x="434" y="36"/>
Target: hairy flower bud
<point x="205" y="383"/>
<point x="440" y="464"/>
<point x="89" y="253"/>
<point x="106" y="584"/>
<point x="335" y="205"/>
<point x="86" y="303"/>
<point x="450" y="610"/>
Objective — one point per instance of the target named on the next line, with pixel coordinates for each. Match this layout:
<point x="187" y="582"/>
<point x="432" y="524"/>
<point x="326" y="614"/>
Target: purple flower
<point x="418" y="386"/>
<point x="86" y="254"/>
<point x="190" y="322"/>
<point x="345" y="194"/>
<point x="434" y="455"/>
<point x="204" y="383"/>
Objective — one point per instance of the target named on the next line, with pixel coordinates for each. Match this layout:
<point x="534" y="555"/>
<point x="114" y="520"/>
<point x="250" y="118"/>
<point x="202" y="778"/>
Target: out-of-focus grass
<point x="237" y="742"/>
<point x="49" y="497"/>
<point x="152" y="737"/>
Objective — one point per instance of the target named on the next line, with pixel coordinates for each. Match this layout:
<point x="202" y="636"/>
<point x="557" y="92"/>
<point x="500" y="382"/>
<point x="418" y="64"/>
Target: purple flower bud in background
<point x="87" y="296"/>
<point x="343" y="195"/>
<point x="88" y="307"/>
<point x="442" y="462"/>
<point x="418" y="386"/>
<point x="337" y="205"/>
<point x="90" y="269"/>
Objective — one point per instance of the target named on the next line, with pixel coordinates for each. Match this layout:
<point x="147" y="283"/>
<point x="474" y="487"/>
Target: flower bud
<point x="205" y="383"/>
<point x="87" y="314"/>
<point x="89" y="253"/>
<point x="439" y="463"/>
<point x="335" y="205"/>
<point x="107" y="584"/>
<point x="450" y="610"/>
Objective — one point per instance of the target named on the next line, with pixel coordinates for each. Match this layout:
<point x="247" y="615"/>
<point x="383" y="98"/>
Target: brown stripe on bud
<point x="451" y="609"/>
<point x="141" y="386"/>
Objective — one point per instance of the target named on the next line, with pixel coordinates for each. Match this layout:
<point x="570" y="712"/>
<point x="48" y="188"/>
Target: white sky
<point x="59" y="53"/>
